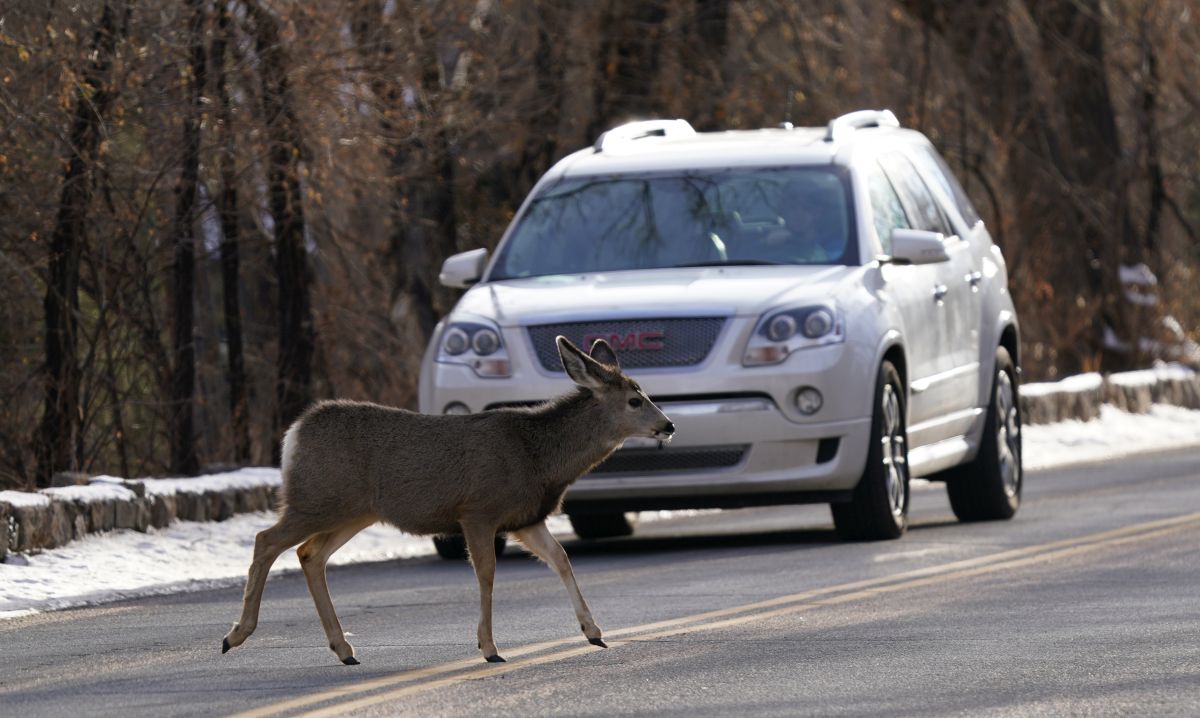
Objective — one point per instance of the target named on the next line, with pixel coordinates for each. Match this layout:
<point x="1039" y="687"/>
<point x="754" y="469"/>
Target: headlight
<point x="485" y="342"/>
<point x="456" y="341"/>
<point x="476" y="344"/>
<point x="818" y="323"/>
<point x="783" y="331"/>
<point x="781" y="328"/>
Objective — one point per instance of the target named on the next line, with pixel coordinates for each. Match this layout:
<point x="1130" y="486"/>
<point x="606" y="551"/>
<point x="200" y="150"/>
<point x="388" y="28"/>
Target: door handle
<point x="973" y="278"/>
<point x="939" y="292"/>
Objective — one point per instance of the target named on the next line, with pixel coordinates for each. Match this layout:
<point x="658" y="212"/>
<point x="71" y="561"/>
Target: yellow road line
<point x="460" y="670"/>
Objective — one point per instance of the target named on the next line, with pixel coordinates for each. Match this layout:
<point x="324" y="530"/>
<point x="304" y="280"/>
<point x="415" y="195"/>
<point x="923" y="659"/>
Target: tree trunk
<point x="227" y="208"/>
<point x="629" y="59"/>
<point x="57" y="434"/>
<point x="296" y="333"/>
<point x="420" y="159"/>
<point x="183" y="286"/>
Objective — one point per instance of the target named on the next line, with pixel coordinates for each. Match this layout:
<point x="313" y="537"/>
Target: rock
<point x="224" y="504"/>
<point x="125" y="515"/>
<point x="6" y="530"/>
<point x="188" y="507"/>
<point x="54" y="527"/>
<point x="141" y="521"/>
<point x="162" y="511"/>
<point x="102" y="516"/>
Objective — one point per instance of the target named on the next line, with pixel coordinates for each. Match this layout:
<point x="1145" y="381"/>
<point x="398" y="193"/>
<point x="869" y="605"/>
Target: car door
<point x="971" y="326"/>
<point x="908" y="287"/>
<point x="948" y="300"/>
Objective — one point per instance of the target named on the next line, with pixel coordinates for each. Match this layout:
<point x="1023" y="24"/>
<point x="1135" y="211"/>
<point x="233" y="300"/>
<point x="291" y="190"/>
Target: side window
<point x="886" y="206"/>
<point x="922" y="207"/>
<point x="936" y="167"/>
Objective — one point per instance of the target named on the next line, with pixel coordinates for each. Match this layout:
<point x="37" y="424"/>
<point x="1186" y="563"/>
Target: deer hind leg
<point x="538" y="539"/>
<point x="314" y="555"/>
<point x="286" y="533"/>
<point x="481" y="544"/>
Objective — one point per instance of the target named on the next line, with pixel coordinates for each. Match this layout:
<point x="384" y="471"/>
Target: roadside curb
<point x="56" y="516"/>
<point x="31" y="522"/>
<point x="1080" y="397"/>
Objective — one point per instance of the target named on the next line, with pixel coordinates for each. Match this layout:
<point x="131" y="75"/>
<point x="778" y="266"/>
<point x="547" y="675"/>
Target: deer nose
<point x="669" y="428"/>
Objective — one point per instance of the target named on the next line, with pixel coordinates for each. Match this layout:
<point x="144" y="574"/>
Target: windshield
<point x="792" y="215"/>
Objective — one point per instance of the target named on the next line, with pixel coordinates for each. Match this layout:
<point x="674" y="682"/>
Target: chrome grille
<point x="640" y="343"/>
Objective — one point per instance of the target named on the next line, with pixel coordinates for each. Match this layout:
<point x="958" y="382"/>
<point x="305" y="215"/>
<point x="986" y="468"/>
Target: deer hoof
<point x="225" y="645"/>
<point x="350" y="661"/>
<point x="494" y="659"/>
<point x="597" y="642"/>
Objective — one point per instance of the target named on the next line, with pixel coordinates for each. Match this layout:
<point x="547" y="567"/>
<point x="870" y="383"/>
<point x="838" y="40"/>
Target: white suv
<point x="820" y="311"/>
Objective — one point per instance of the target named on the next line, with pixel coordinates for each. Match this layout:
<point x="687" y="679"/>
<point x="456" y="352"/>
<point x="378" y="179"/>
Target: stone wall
<point x="1080" y="397"/>
<point x="54" y="517"/>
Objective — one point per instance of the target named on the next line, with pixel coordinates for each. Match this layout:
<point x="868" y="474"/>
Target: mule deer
<point x="347" y="465"/>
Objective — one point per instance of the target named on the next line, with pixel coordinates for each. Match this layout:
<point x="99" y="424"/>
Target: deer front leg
<point x="482" y="548"/>
<point x="538" y="539"/>
<point x="269" y="543"/>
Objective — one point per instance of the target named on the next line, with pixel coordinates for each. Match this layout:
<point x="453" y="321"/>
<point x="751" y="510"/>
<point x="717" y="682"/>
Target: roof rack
<point x="839" y="127"/>
<point x="645" y="128"/>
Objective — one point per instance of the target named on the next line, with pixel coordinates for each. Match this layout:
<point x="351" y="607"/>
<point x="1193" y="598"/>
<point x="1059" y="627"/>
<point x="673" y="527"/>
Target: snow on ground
<point x="1116" y="433"/>
<point x="190" y="556"/>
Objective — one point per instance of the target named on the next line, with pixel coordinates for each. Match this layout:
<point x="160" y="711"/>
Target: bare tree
<point x="57" y="437"/>
<point x="183" y="375"/>
<point x="227" y="208"/>
<point x="296" y="333"/>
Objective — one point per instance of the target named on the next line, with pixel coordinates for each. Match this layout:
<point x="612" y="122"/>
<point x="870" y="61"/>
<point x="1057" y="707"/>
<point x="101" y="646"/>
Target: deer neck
<point x="573" y="435"/>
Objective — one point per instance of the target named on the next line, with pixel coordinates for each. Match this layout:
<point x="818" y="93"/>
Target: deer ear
<point x="603" y="352"/>
<point x="582" y="369"/>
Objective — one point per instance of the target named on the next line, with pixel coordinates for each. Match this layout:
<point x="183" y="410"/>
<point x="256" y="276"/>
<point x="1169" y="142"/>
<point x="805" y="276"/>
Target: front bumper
<point x="739" y="438"/>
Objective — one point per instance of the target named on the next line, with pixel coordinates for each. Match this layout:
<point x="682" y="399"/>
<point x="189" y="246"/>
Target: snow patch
<point x="1144" y="377"/>
<point x="1115" y="434"/>
<point x="24" y="499"/>
<point x="1071" y="385"/>
<point x="1138" y="274"/>
<point x="92" y="493"/>
<point x="247" y="478"/>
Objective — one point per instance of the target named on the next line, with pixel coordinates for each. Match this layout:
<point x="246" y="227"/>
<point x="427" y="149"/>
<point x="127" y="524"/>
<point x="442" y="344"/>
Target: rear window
<point x="932" y="162"/>
<point x="792" y="215"/>
<point x="922" y="208"/>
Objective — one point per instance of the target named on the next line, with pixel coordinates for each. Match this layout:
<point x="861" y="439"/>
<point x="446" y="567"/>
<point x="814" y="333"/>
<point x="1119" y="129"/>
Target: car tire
<point x="453" y="547"/>
<point x="989" y="487"/>
<point x="600" y="526"/>
<point x="878" y="509"/>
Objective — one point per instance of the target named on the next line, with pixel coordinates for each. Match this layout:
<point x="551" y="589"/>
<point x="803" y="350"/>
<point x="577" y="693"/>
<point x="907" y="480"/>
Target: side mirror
<point x="464" y="269"/>
<point x="918" y="246"/>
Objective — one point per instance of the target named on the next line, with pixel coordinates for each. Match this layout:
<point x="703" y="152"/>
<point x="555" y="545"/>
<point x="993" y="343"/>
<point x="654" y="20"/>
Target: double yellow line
<point x="348" y="698"/>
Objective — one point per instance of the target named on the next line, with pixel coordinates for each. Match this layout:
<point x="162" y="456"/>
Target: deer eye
<point x="636" y="402"/>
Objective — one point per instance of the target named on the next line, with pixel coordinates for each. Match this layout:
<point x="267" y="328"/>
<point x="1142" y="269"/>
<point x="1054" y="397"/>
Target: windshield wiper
<point x="728" y="263"/>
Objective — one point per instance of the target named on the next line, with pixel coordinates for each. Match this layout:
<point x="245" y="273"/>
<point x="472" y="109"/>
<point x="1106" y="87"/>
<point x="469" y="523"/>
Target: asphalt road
<point x="1088" y="603"/>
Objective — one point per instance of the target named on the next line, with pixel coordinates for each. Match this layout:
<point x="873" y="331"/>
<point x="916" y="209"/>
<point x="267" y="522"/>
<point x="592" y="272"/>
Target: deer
<point x="347" y="465"/>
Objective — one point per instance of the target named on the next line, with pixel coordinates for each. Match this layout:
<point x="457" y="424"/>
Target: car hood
<point x="687" y="291"/>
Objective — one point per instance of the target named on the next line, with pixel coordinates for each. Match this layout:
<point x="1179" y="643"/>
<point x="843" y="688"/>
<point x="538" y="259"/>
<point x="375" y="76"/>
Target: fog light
<point x="808" y="400"/>
<point x="456" y="407"/>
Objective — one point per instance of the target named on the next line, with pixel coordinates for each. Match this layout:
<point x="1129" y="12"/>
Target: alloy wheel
<point x="1008" y="434"/>
<point x="895" y="464"/>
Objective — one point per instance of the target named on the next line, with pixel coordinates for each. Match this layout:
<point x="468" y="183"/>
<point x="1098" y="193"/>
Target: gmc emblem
<point x="643" y="341"/>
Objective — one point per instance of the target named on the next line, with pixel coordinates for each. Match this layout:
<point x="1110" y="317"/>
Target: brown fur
<point x="349" y="464"/>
